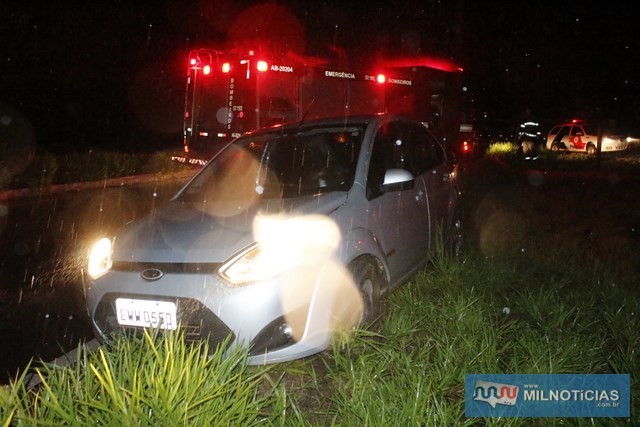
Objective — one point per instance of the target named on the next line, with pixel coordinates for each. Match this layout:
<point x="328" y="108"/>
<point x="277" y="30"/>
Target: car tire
<point x="456" y="237"/>
<point x="555" y="148"/>
<point x="591" y="149"/>
<point x="368" y="278"/>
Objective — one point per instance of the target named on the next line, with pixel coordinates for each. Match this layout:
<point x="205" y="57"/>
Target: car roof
<point x="356" y="120"/>
<point x="581" y="123"/>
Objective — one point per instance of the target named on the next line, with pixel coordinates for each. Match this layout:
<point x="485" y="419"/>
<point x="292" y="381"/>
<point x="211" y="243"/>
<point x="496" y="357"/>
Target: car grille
<point x="168" y="267"/>
<point x="197" y="322"/>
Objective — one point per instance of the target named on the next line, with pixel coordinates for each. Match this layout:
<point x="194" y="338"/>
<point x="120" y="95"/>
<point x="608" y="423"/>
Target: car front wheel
<point x="591" y="149"/>
<point x="369" y="280"/>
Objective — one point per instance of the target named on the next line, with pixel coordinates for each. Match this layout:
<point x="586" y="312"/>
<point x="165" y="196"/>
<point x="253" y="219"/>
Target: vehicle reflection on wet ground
<point x="42" y="259"/>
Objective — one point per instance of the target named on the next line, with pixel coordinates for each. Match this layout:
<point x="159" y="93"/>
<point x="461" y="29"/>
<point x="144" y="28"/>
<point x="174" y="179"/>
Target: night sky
<point x="111" y="73"/>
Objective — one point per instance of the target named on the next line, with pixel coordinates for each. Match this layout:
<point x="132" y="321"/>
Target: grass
<point x="548" y="284"/>
<point x="45" y="168"/>
<point x="453" y="319"/>
<point x="146" y="381"/>
<point x="478" y="318"/>
<point x="621" y="163"/>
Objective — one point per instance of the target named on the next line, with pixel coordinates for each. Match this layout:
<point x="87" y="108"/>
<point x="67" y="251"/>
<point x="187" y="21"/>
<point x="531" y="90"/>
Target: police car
<point x="580" y="137"/>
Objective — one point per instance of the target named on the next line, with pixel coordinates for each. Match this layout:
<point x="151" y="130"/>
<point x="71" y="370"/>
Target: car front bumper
<point x="277" y="320"/>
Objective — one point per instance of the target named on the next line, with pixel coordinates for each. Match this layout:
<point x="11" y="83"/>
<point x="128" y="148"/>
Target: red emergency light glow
<point x="381" y="78"/>
<point x="262" y="66"/>
<point x="206" y="70"/>
<point x="226" y="67"/>
<point x="193" y="62"/>
<point x="465" y="146"/>
<point x="424" y="61"/>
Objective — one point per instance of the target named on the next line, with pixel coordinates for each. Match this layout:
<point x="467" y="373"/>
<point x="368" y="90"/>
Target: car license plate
<point x="146" y="313"/>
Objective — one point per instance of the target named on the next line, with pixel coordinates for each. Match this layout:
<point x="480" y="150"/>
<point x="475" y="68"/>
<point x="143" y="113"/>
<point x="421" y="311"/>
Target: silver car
<point x="288" y="235"/>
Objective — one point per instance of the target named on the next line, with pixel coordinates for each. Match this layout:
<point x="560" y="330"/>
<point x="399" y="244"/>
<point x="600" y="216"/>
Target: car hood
<point x="182" y="232"/>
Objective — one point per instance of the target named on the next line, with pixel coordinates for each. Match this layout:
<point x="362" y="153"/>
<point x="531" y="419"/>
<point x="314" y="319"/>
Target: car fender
<point x="358" y="242"/>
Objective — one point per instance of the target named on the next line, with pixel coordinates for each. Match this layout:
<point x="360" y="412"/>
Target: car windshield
<point x="282" y="164"/>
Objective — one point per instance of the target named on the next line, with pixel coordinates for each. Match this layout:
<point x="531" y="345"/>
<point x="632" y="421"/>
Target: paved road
<point x="43" y="244"/>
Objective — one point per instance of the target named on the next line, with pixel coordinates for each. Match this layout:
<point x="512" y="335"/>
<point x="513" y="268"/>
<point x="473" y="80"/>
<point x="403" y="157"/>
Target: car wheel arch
<point x="369" y="275"/>
<point x="362" y="242"/>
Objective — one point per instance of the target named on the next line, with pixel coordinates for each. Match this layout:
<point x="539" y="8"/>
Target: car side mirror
<point x="397" y="180"/>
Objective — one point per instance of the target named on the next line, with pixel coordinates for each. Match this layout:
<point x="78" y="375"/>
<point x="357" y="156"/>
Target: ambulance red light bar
<point x="423" y="61"/>
<point x="226" y="67"/>
<point x="262" y="66"/>
<point x="381" y="78"/>
<point x="206" y="70"/>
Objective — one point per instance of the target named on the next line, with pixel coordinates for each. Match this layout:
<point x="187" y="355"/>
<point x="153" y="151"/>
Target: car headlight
<point x="283" y="245"/>
<point x="99" y="258"/>
<point x="256" y="264"/>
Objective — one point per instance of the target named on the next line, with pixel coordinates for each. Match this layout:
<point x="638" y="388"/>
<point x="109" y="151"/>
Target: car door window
<point x="387" y="153"/>
<point x="405" y="146"/>
<point x="563" y="132"/>
<point x="423" y="149"/>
